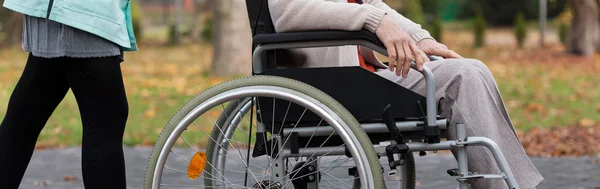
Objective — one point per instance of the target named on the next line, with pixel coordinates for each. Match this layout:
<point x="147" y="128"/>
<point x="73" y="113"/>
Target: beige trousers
<point x="467" y="93"/>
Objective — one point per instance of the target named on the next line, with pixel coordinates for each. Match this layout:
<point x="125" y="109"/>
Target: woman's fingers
<point x="420" y="56"/>
<point x="446" y="53"/>
<point x="408" y="59"/>
<point x="425" y="58"/>
<point x="401" y="58"/>
<point x="454" y="54"/>
<point x="400" y="47"/>
<point x="392" y="56"/>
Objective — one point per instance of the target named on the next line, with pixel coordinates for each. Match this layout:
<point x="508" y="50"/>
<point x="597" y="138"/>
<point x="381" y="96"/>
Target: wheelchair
<point x="307" y="128"/>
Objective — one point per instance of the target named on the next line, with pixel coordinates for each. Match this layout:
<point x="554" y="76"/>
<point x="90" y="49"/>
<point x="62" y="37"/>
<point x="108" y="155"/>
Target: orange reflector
<point x="196" y="165"/>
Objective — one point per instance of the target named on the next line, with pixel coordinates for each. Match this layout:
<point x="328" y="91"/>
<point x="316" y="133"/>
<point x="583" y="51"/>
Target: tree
<point x="584" y="33"/>
<point x="231" y="38"/>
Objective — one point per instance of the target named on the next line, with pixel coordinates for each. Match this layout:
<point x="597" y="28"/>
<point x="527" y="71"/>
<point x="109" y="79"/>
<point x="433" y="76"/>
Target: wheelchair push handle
<point x="430" y="92"/>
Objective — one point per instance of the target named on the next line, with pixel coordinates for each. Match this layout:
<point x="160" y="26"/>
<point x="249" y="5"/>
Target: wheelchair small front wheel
<point x="268" y="134"/>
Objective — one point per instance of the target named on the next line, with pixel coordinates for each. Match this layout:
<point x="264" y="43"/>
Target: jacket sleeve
<point x="303" y="15"/>
<point x="414" y="29"/>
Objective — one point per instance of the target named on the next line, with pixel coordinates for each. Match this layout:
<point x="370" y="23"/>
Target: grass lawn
<point x="541" y="88"/>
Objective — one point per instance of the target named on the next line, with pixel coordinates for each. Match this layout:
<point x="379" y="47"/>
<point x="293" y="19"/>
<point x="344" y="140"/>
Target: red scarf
<point x="360" y="58"/>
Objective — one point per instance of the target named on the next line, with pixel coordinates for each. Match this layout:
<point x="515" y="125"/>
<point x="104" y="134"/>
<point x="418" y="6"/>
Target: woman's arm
<point x="303" y="15"/>
<point x="414" y="29"/>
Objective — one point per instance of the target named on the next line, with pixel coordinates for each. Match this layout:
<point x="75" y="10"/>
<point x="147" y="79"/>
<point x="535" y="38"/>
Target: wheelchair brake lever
<point x="400" y="147"/>
<point x="422" y="111"/>
<point x="391" y="125"/>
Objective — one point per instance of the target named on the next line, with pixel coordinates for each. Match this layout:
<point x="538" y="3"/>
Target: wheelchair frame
<point x="432" y="124"/>
<point x="341" y="118"/>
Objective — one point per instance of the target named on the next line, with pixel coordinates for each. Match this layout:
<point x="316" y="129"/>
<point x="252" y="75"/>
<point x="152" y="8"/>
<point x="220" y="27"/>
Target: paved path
<point x="49" y="168"/>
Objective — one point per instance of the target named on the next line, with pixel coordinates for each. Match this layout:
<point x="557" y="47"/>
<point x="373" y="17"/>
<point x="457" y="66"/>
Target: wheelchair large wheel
<point x="331" y="165"/>
<point x="244" y="150"/>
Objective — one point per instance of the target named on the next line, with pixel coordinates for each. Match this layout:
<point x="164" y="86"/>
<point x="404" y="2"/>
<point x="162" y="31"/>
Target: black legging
<point x="98" y="87"/>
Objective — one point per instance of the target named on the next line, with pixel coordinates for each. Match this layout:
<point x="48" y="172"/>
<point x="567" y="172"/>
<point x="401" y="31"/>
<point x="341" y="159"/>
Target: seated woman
<point x="466" y="90"/>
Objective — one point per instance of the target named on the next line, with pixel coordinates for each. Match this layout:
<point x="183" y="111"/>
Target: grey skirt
<point x="49" y="39"/>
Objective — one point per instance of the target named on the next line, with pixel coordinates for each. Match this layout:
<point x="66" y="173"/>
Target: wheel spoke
<point x="230" y="162"/>
<point x="180" y="156"/>
<point x="239" y="161"/>
<point x="309" y="162"/>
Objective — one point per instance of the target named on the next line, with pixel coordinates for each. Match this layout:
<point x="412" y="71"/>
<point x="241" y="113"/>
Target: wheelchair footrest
<point x="455" y="173"/>
<point x="484" y="176"/>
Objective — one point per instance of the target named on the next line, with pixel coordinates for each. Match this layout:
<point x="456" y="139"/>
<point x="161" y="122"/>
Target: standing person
<point x="466" y="90"/>
<point x="75" y="45"/>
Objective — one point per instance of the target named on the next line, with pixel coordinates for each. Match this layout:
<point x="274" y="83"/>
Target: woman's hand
<point x="432" y="47"/>
<point x="401" y="49"/>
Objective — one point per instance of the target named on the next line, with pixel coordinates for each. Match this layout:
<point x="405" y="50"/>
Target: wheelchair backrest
<point x="259" y="17"/>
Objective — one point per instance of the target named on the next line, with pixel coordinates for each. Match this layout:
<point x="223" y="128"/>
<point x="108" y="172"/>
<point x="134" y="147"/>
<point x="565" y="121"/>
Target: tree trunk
<point x="584" y="34"/>
<point x="231" y="38"/>
<point x="598" y="38"/>
<point x="197" y="26"/>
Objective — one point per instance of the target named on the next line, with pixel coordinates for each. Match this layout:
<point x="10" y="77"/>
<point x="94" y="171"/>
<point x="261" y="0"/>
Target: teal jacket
<point x="109" y="19"/>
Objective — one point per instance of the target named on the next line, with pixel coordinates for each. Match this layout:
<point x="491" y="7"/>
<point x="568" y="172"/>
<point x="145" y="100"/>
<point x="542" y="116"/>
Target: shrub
<point x="501" y="13"/>
<point x="520" y="29"/>
<point x="412" y="10"/>
<point x="435" y="28"/>
<point x="563" y="21"/>
<point x="136" y="18"/>
<point x="433" y="15"/>
<point x="563" y="33"/>
<point x="479" y="27"/>
<point x="432" y="7"/>
<point x="173" y="35"/>
<point x="207" y="30"/>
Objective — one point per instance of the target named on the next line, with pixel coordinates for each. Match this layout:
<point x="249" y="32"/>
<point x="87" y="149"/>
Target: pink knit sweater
<point x="305" y="15"/>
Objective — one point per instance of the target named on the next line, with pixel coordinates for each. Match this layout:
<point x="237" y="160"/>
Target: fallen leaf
<point x="150" y="113"/>
<point x="533" y="107"/>
<point x="587" y="122"/>
<point x="560" y="141"/>
<point x="145" y="93"/>
<point x="70" y="178"/>
<point x="42" y="183"/>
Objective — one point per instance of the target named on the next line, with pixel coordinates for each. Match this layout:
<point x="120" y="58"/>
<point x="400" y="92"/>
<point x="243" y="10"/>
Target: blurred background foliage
<point x="549" y="90"/>
<point x="193" y="19"/>
<point x="502" y="13"/>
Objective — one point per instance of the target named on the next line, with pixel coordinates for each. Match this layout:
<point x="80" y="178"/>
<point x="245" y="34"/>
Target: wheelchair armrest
<point x="316" y="36"/>
<point x="308" y="39"/>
